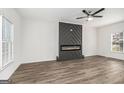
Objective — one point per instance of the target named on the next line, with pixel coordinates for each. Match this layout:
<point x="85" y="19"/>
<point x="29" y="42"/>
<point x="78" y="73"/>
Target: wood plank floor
<point x="91" y="70"/>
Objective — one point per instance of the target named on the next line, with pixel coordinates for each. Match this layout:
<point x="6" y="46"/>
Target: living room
<point x="37" y="39"/>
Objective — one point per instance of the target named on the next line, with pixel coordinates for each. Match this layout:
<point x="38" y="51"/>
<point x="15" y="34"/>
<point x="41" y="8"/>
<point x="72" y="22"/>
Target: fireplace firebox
<point x="70" y="47"/>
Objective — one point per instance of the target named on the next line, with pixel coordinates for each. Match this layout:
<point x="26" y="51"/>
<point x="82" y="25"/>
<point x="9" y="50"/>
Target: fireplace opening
<point x="70" y="47"/>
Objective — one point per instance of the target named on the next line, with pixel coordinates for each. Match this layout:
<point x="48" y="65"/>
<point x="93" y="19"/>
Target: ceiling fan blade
<point x="98" y="16"/>
<point x="81" y="17"/>
<point x="84" y="11"/>
<point x="98" y="11"/>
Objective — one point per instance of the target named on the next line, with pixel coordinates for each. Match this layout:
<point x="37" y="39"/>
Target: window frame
<point x="112" y="43"/>
<point x="1" y="42"/>
<point x="2" y="66"/>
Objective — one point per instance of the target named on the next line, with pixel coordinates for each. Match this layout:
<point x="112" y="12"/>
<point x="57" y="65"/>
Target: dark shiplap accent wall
<point x="70" y="34"/>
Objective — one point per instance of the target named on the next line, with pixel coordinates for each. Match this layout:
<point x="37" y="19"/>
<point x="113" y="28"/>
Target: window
<point x="7" y="42"/>
<point x="118" y="42"/>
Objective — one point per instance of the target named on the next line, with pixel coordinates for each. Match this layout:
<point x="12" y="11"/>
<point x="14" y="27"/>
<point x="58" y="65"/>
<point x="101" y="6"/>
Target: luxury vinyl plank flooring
<point x="91" y="70"/>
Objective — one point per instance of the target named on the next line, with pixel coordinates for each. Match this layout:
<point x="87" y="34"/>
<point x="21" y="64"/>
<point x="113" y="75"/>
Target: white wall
<point x="40" y="40"/>
<point x="89" y="41"/>
<point x="15" y="19"/>
<point x="104" y="40"/>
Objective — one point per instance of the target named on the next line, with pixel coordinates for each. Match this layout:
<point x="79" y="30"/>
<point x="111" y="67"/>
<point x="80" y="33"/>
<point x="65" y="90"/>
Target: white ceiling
<point x="110" y="15"/>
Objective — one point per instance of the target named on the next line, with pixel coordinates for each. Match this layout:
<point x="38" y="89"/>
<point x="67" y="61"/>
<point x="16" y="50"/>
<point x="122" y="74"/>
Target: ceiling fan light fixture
<point x="90" y="18"/>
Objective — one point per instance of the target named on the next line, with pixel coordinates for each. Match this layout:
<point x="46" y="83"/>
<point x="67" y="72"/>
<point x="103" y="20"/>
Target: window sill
<point x="6" y="65"/>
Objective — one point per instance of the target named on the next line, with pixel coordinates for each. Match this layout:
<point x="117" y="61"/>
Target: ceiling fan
<point x="90" y="15"/>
